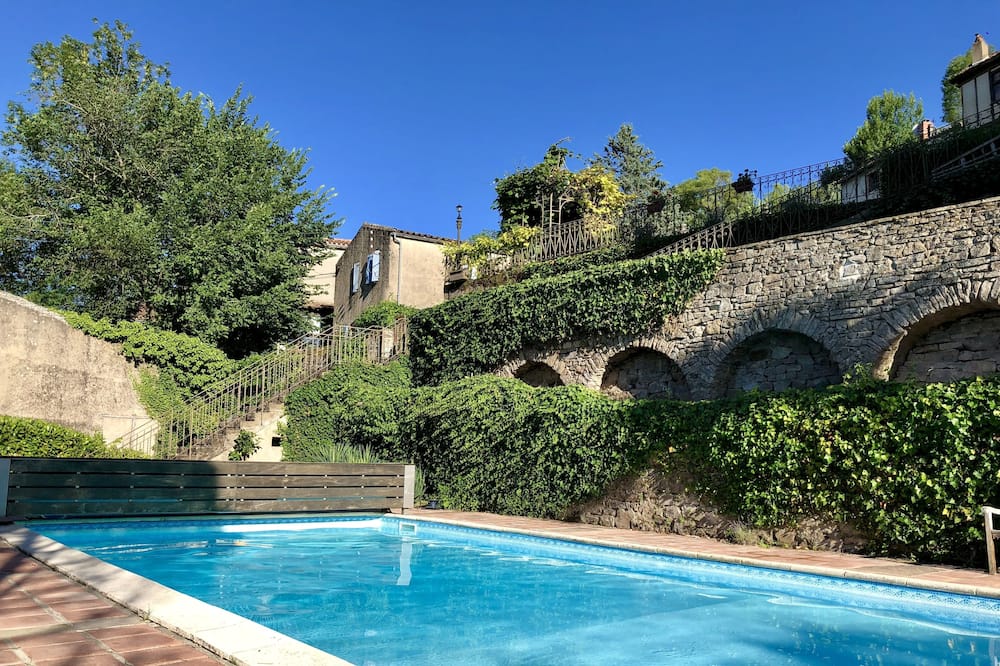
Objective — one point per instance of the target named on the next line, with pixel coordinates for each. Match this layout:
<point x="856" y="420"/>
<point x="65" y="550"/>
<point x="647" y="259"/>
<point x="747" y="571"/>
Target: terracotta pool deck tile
<point x="55" y="651"/>
<point x="46" y="619"/>
<point x="9" y="657"/>
<point x="170" y="654"/>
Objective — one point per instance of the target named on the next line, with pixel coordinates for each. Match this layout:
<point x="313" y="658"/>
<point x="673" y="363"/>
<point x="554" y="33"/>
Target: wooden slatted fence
<point x="76" y="487"/>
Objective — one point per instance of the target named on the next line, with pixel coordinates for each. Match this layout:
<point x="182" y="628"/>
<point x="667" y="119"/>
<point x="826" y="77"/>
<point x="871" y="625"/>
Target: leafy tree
<point x="709" y="197"/>
<point x="524" y="196"/>
<point x="528" y="196"/>
<point x="152" y="204"/>
<point x="951" y="95"/>
<point x="633" y="164"/>
<point x="888" y="124"/>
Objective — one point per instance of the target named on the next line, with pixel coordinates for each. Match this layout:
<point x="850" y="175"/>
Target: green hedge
<point x="577" y="262"/>
<point x="36" y="438"/>
<point x="908" y="465"/>
<point x="383" y="315"/>
<point x="492" y="444"/>
<point x="184" y="365"/>
<point x="355" y="405"/>
<point x="475" y="333"/>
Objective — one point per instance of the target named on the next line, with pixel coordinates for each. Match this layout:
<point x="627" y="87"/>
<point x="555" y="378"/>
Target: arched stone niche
<point x="776" y="360"/>
<point x="538" y="374"/>
<point x="644" y="373"/>
<point x="951" y="344"/>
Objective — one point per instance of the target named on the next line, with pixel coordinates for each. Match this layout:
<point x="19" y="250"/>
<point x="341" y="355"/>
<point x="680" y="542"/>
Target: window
<point x="355" y="278"/>
<point x="373" y="267"/>
<point x="995" y="86"/>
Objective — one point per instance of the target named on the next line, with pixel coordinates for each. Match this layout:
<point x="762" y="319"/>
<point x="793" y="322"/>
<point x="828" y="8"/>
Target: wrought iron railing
<point x="957" y="165"/>
<point x="199" y="428"/>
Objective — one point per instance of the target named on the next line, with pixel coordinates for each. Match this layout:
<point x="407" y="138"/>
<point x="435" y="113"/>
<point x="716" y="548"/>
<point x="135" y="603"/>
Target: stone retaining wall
<point x="804" y="310"/>
<point x="657" y="502"/>
<point x="50" y="370"/>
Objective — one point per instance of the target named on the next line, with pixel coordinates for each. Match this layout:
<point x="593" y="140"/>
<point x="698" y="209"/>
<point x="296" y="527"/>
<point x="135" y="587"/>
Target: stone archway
<point x="951" y="344"/>
<point x="644" y="373"/>
<point x="538" y="374"/>
<point x="776" y="360"/>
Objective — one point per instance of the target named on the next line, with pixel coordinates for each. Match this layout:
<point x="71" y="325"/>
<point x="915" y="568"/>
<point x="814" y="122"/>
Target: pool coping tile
<point x="231" y="637"/>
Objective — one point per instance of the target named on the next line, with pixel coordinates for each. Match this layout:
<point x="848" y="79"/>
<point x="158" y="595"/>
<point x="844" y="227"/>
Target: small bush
<point x="247" y="443"/>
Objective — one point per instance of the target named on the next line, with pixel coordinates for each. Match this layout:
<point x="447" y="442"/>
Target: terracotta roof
<point x="338" y="242"/>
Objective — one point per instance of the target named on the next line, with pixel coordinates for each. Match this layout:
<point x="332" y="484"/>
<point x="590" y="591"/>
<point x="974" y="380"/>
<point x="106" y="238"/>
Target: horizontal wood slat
<point x="71" y="480"/>
<point x="111" y="508"/>
<point x="96" y="487"/>
<point x="199" y="467"/>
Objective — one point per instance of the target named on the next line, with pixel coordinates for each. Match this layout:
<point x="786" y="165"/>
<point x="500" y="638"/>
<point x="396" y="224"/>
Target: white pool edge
<point x="219" y="631"/>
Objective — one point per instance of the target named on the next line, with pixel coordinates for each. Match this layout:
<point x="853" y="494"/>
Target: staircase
<point x="985" y="151"/>
<point x="202" y="428"/>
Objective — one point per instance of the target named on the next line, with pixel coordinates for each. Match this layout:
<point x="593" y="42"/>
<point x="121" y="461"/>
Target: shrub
<point x="383" y="315"/>
<point x="909" y="465"/>
<point x="475" y="333"/>
<point x="42" y="439"/>
<point x="355" y="404"/>
<point x="493" y="444"/>
<point x="247" y="443"/>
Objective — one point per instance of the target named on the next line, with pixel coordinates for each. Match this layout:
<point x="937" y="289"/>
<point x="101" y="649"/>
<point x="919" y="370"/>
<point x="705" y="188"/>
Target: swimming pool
<point x="387" y="590"/>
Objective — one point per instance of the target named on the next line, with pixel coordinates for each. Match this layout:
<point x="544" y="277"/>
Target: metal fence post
<point x="4" y="485"/>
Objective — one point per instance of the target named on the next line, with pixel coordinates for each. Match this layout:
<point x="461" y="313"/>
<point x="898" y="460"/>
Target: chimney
<point x="980" y="49"/>
<point x="924" y="129"/>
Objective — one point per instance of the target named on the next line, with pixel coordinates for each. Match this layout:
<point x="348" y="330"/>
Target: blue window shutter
<point x="355" y="278"/>
<point x="374" y="265"/>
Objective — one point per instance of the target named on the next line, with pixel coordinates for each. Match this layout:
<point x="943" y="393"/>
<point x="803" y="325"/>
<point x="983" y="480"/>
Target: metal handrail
<point x="196" y="429"/>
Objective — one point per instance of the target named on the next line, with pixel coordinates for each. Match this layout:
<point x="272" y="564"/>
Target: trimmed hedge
<point x="37" y="438"/>
<point x="908" y="465"/>
<point x="476" y="333"/>
<point x="354" y="404"/>
<point x="492" y="444"/>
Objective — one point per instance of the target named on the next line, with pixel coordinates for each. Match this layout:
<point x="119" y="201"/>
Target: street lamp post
<point x="458" y="222"/>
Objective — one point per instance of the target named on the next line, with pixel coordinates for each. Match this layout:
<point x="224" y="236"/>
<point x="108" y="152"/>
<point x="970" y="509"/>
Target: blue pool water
<point x="384" y="590"/>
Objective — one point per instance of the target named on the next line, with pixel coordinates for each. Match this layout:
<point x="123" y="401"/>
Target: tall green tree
<point x="951" y="96"/>
<point x="634" y="165"/>
<point x="146" y="202"/>
<point x="889" y="122"/>
<point x="710" y="198"/>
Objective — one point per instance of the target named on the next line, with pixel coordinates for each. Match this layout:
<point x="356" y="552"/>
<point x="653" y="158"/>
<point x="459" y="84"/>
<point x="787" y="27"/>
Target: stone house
<point x="387" y="264"/>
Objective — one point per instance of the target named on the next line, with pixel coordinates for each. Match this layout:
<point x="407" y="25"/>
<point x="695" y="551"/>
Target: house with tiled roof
<point x="388" y="264"/>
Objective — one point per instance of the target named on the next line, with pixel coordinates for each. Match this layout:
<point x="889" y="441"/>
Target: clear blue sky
<point x="412" y="107"/>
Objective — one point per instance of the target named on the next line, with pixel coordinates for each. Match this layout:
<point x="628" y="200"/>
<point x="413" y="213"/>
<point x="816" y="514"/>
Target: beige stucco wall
<point x="322" y="278"/>
<point x="51" y="371"/>
<point x="420" y="284"/>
